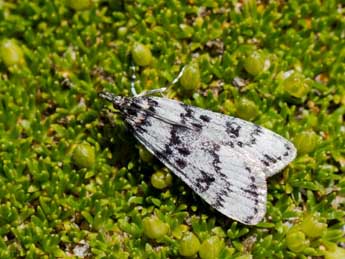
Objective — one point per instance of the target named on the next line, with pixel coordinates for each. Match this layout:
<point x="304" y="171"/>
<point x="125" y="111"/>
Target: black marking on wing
<point x="226" y="191"/>
<point x="174" y="137"/>
<point x="133" y="111"/>
<point x="219" y="202"/>
<point x="188" y="116"/>
<point x="175" y="143"/>
<point x="265" y="162"/>
<point x="252" y="189"/>
<point x="181" y="163"/>
<point x="152" y="104"/>
<point x="167" y="151"/>
<point x="249" y="219"/>
<point x="138" y="110"/>
<point x="197" y="126"/>
<point x="174" y="140"/>
<point x="204" y="182"/>
<point x="223" y="193"/>
<point x="254" y="134"/>
<point x="287" y="152"/>
<point x="213" y="148"/>
<point x="205" y="118"/>
<point x="188" y="113"/>
<point x="129" y="108"/>
<point x="183" y="151"/>
<point x="287" y="146"/>
<point x="269" y="160"/>
<point x="252" y="192"/>
<point x="233" y="129"/>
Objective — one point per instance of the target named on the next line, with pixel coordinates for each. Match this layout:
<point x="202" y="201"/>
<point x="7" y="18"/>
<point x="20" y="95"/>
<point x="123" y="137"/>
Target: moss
<point x="296" y="241"/>
<point x="11" y="54"/>
<point x="60" y="54"/>
<point x="189" y="245"/>
<point x="79" y="5"/>
<point x="246" y="109"/>
<point x="312" y="227"/>
<point x="306" y="141"/>
<point x="83" y="155"/>
<point x="161" y="179"/>
<point x="296" y="85"/>
<point x="254" y="63"/>
<point x="333" y="251"/>
<point x="190" y="79"/>
<point x="141" y="55"/>
<point x="145" y="155"/>
<point x="154" y="228"/>
<point x="210" y="248"/>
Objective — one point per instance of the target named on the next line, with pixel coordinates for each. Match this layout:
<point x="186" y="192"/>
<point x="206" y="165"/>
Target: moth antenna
<point x="176" y="78"/>
<point x="159" y="90"/>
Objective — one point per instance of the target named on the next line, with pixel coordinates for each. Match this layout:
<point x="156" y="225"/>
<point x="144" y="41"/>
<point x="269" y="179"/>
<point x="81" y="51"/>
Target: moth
<point x="224" y="159"/>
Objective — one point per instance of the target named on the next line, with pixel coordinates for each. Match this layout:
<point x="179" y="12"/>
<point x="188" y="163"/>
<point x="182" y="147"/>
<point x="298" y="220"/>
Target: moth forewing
<point x="233" y="186"/>
<point x="225" y="160"/>
<point x="271" y="151"/>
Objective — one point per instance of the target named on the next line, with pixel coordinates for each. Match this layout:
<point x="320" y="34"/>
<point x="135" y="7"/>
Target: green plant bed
<point x="74" y="183"/>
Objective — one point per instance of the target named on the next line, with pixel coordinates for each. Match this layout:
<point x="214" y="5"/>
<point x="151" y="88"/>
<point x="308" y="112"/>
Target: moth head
<point x="118" y="101"/>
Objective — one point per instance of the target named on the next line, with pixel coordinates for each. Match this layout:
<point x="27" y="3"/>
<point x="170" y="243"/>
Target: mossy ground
<point x="279" y="64"/>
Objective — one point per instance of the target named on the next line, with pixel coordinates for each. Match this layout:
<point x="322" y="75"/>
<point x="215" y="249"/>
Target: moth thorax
<point x="120" y="102"/>
<point x="141" y="117"/>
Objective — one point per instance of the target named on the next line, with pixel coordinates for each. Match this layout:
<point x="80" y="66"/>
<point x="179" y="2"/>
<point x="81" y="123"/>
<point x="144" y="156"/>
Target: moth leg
<point x="176" y="78"/>
<point x="134" y="92"/>
<point x="153" y="91"/>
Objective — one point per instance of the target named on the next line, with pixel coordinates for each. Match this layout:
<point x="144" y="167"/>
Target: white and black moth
<point x="225" y="160"/>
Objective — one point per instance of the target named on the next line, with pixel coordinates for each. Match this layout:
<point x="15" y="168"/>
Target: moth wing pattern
<point x="231" y="190"/>
<point x="271" y="151"/>
<point x="225" y="160"/>
<point x="230" y="183"/>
